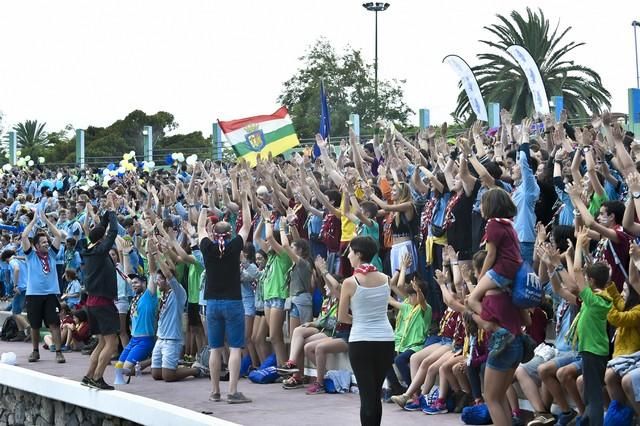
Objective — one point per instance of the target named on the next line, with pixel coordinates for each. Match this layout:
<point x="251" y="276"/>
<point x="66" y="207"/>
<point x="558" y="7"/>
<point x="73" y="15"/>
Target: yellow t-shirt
<point x="348" y="228"/>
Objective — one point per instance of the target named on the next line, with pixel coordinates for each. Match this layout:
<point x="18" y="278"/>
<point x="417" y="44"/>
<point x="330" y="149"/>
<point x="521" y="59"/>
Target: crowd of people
<point x="401" y="252"/>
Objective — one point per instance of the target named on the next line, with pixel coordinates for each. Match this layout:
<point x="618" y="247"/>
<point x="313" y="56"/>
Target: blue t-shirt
<point x="143" y="319"/>
<point x="73" y="288"/>
<point x="41" y="282"/>
<point x="22" y="273"/>
<point x="170" y="322"/>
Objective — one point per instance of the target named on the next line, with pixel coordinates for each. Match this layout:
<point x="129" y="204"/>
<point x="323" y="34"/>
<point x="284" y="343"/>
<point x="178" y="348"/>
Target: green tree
<point x="31" y="137"/>
<point x="502" y="80"/>
<point x="349" y="85"/>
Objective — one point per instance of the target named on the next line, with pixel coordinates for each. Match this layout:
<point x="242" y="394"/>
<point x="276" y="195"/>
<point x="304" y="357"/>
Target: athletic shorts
<point x="138" y="349"/>
<point x="43" y="308"/>
<point x="103" y="320"/>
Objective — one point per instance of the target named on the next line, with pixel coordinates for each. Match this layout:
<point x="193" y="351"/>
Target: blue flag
<point x="325" y="121"/>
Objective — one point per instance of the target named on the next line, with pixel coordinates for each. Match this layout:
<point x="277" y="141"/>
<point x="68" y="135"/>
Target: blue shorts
<point x="225" y="318"/>
<point x="17" y="304"/>
<point x="166" y="354"/>
<point x="249" y="305"/>
<point x="501" y="282"/>
<point x="569" y="358"/>
<point x="437" y="340"/>
<point x="138" y="349"/>
<point x="274" y="303"/>
<point x="510" y="358"/>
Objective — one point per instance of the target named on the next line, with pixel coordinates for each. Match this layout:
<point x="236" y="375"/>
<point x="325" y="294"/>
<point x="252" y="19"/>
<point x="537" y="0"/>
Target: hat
<point x="138" y="276"/>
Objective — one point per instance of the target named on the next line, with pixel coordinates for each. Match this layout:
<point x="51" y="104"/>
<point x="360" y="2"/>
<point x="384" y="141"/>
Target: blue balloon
<point x="168" y="160"/>
<point x="111" y="166"/>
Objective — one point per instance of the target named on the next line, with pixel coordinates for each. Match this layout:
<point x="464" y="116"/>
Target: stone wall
<point x="23" y="408"/>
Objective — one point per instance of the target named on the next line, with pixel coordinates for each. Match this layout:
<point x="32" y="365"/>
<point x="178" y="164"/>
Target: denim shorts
<point x="225" y="318"/>
<point x="509" y="358"/>
<point x="635" y="382"/>
<point x="531" y="368"/>
<point x="437" y="340"/>
<point x="569" y="358"/>
<point x="166" y="354"/>
<point x="249" y="304"/>
<point x="17" y="304"/>
<point x="302" y="307"/>
<point x="274" y="303"/>
<point x="501" y="282"/>
<point x="138" y="349"/>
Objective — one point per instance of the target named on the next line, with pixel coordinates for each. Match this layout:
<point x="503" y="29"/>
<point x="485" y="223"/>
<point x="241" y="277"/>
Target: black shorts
<point x="193" y="314"/>
<point x="103" y="320"/>
<point x="45" y="308"/>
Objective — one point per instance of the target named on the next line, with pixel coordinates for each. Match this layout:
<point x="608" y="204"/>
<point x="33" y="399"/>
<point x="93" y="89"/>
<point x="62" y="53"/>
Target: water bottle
<point x="138" y="370"/>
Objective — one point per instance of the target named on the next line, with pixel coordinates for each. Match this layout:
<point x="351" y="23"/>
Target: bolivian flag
<point x="262" y="134"/>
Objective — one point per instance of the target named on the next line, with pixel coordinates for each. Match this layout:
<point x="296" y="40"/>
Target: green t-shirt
<point x="275" y="283"/>
<point x="372" y="231"/>
<point x="193" y="278"/>
<point x="596" y="203"/>
<point x="412" y="326"/>
<point x="592" y="322"/>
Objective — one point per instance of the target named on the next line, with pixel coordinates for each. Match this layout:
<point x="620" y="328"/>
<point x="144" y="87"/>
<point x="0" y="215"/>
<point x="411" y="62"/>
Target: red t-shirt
<point x="500" y="309"/>
<point x="500" y="232"/>
<point x="622" y="251"/>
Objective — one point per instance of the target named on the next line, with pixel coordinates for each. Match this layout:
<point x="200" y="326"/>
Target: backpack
<point x="9" y="329"/>
<point x="264" y="376"/>
<point x="202" y="357"/>
<point x="526" y="289"/>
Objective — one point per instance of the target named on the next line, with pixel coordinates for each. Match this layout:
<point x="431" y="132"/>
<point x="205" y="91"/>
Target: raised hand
<point x="541" y="232"/>
<point x="505" y="117"/>
<point x="582" y="238"/>
<point x="320" y="263"/>
<point x="406" y="260"/>
<point x="633" y="182"/>
<point x="441" y="279"/>
<point x="451" y="253"/>
<point x="320" y="141"/>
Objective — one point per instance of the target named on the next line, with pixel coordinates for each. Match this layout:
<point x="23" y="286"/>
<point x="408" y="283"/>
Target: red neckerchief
<point x="427" y="216"/>
<point x="44" y="261"/>
<point x="221" y="240"/>
<point x="364" y="269"/>
<point x="448" y="211"/>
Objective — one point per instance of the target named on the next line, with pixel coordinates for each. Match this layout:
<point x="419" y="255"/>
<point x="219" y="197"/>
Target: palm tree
<point x="501" y="80"/>
<point x="31" y="137"/>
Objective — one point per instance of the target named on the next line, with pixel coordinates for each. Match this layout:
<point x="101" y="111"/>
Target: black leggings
<point x="370" y="362"/>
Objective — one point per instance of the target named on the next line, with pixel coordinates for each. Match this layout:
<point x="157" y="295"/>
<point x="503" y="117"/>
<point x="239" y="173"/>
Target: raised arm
<point x="25" y="241"/>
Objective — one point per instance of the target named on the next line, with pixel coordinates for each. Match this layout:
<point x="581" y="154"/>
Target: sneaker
<point x="540" y="419"/>
<point x="386" y="395"/>
<point x="315" y="389"/>
<point x="565" y="418"/>
<point x="417" y="404"/>
<point x="438" y="408"/>
<point x="17" y="338"/>
<point x="86" y="381"/>
<point x="100" y="384"/>
<point x="215" y="397"/>
<point x="516" y="420"/>
<point x="499" y="341"/>
<point x="293" y="382"/>
<point x="52" y="348"/>
<point x="60" y="358"/>
<point x="401" y="400"/>
<point x="289" y="367"/>
<point x="35" y="356"/>
<point x="202" y="371"/>
<point x="65" y="348"/>
<point x="237" y="398"/>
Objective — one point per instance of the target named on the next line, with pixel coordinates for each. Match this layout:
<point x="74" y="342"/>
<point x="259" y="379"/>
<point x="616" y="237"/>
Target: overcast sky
<point x="92" y="62"/>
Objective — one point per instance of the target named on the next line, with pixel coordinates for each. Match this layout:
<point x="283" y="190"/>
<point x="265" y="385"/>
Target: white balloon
<point x="8" y="358"/>
<point x="30" y="163"/>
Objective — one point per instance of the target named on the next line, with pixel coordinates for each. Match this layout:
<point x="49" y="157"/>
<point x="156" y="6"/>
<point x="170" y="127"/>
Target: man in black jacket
<point x="102" y="289"/>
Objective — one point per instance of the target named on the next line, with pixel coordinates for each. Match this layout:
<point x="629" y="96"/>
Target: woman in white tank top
<point x="371" y="342"/>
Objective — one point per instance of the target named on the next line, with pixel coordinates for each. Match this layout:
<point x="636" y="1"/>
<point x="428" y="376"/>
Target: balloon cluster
<point x="177" y="158"/>
<point x="21" y="162"/>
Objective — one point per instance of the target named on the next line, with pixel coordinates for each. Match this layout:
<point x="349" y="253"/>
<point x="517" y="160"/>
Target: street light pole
<point x="636" y="24"/>
<point x="376" y="7"/>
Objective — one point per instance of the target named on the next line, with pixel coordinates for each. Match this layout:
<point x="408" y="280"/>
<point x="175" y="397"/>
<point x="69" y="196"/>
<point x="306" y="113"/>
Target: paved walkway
<point x="272" y="405"/>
